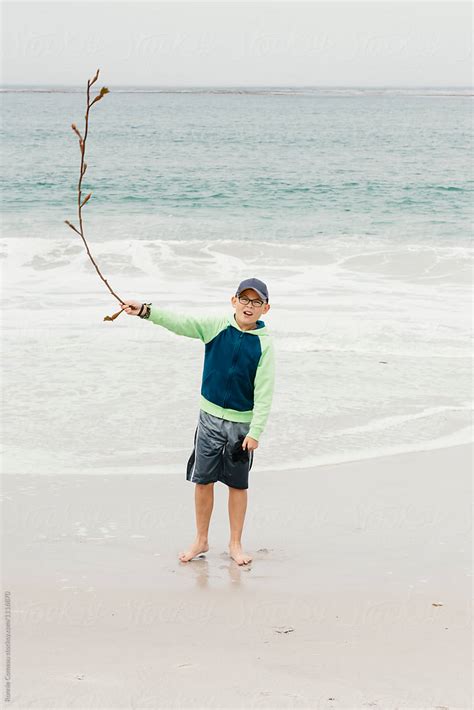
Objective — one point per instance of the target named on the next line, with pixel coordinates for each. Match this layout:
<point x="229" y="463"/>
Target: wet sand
<point x="358" y="595"/>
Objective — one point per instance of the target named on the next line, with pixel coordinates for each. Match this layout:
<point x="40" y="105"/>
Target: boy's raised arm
<point x="263" y="391"/>
<point x="203" y="327"/>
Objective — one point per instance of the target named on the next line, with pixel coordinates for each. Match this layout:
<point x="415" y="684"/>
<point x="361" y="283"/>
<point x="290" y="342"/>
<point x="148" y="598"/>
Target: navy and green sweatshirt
<point x="239" y="366"/>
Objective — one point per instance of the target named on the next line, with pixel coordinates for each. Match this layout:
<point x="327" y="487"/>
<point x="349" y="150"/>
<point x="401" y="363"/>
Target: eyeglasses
<point x="255" y="302"/>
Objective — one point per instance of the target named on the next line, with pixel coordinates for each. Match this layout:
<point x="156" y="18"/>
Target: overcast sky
<point x="238" y="43"/>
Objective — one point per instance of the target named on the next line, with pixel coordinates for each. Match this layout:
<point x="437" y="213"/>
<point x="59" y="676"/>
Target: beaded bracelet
<point x="147" y="310"/>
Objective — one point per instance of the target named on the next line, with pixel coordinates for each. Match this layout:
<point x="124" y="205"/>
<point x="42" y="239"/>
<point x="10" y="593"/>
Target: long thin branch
<point x="81" y="202"/>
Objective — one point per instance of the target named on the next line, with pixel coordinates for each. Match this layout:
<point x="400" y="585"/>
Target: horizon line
<point x="299" y="86"/>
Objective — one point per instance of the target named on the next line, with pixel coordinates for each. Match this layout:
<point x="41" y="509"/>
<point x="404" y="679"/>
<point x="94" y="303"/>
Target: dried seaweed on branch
<point x="80" y="200"/>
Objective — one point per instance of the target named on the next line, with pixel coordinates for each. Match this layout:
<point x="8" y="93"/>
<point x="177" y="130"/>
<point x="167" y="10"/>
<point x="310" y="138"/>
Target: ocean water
<point x="252" y="166"/>
<point x="355" y="206"/>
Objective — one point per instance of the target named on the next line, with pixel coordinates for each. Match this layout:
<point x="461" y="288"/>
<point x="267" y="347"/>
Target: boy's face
<point x="248" y="315"/>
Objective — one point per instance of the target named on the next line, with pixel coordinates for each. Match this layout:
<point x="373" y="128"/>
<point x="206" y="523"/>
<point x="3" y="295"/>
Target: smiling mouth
<point x="248" y="313"/>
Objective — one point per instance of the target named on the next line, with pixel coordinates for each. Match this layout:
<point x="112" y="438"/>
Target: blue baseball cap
<point x="257" y="286"/>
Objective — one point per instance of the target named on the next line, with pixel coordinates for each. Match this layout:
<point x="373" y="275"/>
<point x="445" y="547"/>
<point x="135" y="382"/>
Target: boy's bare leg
<point x="237" y="508"/>
<point x="204" y="502"/>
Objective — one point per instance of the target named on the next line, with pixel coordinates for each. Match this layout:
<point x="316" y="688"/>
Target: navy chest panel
<point x="230" y="365"/>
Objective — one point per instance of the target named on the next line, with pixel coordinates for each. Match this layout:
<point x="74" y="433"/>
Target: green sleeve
<point x="203" y="327"/>
<point x="263" y="391"/>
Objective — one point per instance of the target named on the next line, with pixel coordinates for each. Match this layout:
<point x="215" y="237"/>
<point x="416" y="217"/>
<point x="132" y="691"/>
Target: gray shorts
<point x="217" y="455"/>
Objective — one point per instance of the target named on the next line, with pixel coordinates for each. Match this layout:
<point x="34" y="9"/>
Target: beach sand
<point x="358" y="595"/>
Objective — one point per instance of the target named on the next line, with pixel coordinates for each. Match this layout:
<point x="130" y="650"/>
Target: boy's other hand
<point x="249" y="443"/>
<point x="132" y="307"/>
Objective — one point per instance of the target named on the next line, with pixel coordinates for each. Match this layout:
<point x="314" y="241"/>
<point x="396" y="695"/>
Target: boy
<point x="236" y="394"/>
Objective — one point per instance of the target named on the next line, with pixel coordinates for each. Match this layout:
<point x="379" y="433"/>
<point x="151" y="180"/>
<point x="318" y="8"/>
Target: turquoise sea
<point x="283" y="164"/>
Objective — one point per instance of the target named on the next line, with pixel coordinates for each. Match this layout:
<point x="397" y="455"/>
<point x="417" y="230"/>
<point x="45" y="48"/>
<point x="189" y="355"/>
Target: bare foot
<point x="196" y="549"/>
<point x="238" y="554"/>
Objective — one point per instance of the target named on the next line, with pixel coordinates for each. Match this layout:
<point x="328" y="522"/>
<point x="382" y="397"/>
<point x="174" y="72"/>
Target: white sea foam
<point x="373" y="352"/>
